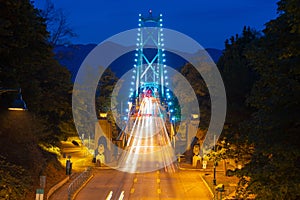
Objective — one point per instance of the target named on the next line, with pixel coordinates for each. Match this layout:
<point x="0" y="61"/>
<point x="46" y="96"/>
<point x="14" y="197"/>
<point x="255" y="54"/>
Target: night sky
<point x="209" y="22"/>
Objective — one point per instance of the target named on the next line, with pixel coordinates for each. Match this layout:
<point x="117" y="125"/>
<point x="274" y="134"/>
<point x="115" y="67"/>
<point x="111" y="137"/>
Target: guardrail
<point x="78" y="182"/>
<point x="56" y="187"/>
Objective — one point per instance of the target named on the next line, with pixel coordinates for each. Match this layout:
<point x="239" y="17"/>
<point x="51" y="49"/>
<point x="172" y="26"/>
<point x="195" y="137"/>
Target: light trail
<point x="149" y="147"/>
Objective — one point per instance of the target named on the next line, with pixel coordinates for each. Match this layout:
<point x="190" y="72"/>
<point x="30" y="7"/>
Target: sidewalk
<point x="80" y="159"/>
<point x="230" y="183"/>
<point x="62" y="192"/>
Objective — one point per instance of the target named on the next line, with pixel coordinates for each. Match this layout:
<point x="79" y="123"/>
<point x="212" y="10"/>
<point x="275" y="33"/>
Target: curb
<point x="107" y="167"/>
<point x="190" y="169"/>
<point x="56" y="187"/>
<point x="206" y="184"/>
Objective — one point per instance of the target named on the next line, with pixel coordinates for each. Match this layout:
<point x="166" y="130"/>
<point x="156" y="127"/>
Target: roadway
<point x="111" y="184"/>
<point x="148" y="147"/>
<point x="146" y="168"/>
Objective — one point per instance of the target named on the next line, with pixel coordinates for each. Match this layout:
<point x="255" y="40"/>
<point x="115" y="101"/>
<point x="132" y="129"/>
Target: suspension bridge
<point x="145" y="167"/>
<point x="148" y="132"/>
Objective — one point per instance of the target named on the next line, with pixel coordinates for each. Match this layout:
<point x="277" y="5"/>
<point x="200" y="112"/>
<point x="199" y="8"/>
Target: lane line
<point x="159" y="191"/>
<point x="121" y="195"/>
<point x="131" y="190"/>
<point x="109" y="196"/>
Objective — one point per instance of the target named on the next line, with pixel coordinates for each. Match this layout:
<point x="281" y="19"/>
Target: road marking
<point x="109" y="195"/>
<point x="121" y="195"/>
<point x="135" y="180"/>
<point x="159" y="191"/>
<point x="157" y="172"/>
<point x="132" y="191"/>
<point x="158" y="180"/>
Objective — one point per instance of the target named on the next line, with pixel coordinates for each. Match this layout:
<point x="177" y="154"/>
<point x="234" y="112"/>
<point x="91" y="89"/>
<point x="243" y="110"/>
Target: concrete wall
<point x="105" y="130"/>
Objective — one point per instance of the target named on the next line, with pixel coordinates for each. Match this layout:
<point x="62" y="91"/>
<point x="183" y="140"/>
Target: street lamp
<point x="18" y="104"/>
<point x="103" y="115"/>
<point x="173" y="128"/>
<point x="214" y="180"/>
<point x="195" y="116"/>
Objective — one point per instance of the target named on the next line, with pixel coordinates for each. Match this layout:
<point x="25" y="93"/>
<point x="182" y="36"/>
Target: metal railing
<point x="78" y="182"/>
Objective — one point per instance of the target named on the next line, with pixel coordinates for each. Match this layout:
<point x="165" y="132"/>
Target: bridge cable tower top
<point x="150" y="74"/>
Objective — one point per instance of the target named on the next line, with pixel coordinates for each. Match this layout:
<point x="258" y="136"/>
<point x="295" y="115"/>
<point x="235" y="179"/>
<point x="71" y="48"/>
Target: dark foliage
<point x="274" y="127"/>
<point x="27" y="62"/>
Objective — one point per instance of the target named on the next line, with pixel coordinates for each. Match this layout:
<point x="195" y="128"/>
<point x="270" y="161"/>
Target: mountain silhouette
<point x="72" y="56"/>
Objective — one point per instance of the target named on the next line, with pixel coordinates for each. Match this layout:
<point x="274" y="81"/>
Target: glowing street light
<point x="103" y="115"/>
<point x="18" y="104"/>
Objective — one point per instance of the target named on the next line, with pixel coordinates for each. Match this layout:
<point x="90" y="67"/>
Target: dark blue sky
<point x="209" y="22"/>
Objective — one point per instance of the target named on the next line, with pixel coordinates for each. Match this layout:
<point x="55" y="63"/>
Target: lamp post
<point x="173" y="131"/>
<point x="214" y="180"/>
<point x="18" y="104"/>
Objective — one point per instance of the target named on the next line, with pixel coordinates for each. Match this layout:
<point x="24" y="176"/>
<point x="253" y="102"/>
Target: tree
<point x="274" y="170"/>
<point x="57" y="24"/>
<point x="104" y="97"/>
<point x="200" y="89"/>
<point x="27" y="62"/>
<point x="238" y="77"/>
<point x="104" y="91"/>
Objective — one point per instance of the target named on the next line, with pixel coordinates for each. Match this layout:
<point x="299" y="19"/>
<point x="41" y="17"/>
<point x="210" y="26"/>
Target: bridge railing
<point x="78" y="182"/>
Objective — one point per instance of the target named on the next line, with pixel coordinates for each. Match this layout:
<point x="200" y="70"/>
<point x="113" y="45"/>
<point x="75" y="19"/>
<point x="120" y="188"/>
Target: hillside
<point x="72" y="56"/>
<point x="22" y="159"/>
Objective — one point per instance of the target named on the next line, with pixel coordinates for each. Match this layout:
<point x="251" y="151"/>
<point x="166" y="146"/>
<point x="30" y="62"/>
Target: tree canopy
<point x="274" y="170"/>
<point x="272" y="129"/>
<point x="27" y="62"/>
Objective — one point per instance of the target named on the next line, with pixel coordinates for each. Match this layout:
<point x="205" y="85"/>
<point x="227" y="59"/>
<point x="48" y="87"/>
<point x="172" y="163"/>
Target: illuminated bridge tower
<point x="149" y="69"/>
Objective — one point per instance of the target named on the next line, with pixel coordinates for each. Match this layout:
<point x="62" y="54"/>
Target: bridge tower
<point x="149" y="68"/>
